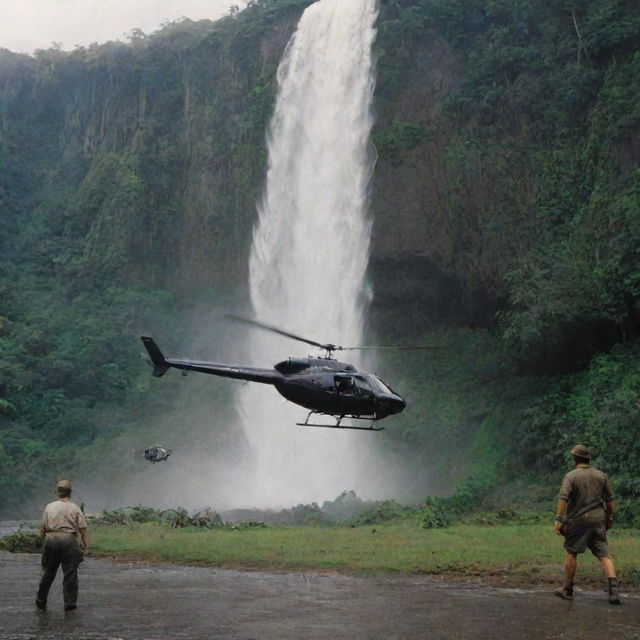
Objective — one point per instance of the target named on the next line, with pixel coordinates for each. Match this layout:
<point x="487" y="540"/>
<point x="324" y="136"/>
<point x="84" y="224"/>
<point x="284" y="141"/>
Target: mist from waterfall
<point x="310" y="251"/>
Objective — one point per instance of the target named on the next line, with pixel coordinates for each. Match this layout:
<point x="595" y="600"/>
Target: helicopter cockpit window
<point x="381" y="385"/>
<point x="363" y="387"/>
<point x="353" y="386"/>
<point x="345" y="385"/>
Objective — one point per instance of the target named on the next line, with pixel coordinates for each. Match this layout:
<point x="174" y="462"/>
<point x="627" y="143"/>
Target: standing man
<point x="583" y="517"/>
<point x="65" y="532"/>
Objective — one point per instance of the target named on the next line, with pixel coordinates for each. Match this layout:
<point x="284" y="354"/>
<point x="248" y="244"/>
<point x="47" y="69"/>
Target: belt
<point x="592" y="514"/>
<point x="61" y="533"/>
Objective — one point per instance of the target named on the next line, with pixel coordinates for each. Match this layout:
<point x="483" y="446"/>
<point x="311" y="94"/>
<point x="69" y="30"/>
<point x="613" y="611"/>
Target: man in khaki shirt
<point x="583" y="516"/>
<point x="65" y="532"/>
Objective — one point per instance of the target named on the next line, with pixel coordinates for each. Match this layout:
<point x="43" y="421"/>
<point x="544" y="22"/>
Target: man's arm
<point x="43" y="526"/>
<point x="609" y="503"/>
<point x="563" y="500"/>
<point x="85" y="539"/>
<point x="81" y="525"/>
<point x="561" y="511"/>
<point x="608" y="518"/>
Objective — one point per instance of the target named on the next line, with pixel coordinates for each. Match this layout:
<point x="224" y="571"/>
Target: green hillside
<point x="506" y="210"/>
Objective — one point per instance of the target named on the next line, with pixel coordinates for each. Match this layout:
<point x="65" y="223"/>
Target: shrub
<point x="384" y="512"/>
<point x="144" y="514"/>
<point x="434" y="515"/>
<point x="24" y="543"/>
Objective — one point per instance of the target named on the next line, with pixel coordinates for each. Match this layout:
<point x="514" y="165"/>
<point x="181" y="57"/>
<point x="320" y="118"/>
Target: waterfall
<point x="311" y="246"/>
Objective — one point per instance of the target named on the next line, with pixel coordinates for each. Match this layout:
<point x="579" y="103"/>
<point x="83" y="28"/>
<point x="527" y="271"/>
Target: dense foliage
<point x="542" y="183"/>
<point x="128" y="180"/>
<point x="102" y="153"/>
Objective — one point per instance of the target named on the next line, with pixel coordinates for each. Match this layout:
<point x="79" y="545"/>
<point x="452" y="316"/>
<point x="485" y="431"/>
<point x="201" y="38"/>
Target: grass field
<point x="510" y="554"/>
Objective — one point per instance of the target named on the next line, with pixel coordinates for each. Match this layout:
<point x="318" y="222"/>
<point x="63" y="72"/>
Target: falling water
<point x="311" y="245"/>
<point x="307" y="275"/>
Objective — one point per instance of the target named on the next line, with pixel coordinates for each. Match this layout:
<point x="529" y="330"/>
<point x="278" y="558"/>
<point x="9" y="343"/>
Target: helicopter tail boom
<point x="160" y="364"/>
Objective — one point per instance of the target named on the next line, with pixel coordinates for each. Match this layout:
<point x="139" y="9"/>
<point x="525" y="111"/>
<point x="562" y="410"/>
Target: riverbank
<point x="510" y="555"/>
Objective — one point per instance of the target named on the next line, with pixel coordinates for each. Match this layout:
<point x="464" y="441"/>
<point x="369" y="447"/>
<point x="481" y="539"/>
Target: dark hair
<point x="63" y="492"/>
<point x="579" y="460"/>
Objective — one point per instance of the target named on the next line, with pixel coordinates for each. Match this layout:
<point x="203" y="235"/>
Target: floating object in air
<point x="157" y="454"/>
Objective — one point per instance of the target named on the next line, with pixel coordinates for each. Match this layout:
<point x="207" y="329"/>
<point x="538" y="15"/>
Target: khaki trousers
<point x="60" y="549"/>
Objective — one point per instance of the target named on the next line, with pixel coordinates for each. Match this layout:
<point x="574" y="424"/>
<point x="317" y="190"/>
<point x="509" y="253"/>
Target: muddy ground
<point x="136" y="601"/>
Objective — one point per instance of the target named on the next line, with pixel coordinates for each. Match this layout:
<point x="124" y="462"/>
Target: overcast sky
<point x="26" y="25"/>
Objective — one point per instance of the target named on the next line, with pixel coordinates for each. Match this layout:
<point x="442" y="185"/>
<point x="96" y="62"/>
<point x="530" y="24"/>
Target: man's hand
<point x="557" y="526"/>
<point x="608" y="521"/>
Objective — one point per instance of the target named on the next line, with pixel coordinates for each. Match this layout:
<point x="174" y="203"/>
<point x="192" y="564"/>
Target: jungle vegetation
<point x="129" y="174"/>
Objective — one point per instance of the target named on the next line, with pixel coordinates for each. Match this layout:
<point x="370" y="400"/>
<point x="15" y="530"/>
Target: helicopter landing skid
<point x="337" y="424"/>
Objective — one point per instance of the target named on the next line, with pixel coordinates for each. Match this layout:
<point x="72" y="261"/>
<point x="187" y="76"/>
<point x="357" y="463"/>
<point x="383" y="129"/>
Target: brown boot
<point x="566" y="593"/>
<point x="614" y="597"/>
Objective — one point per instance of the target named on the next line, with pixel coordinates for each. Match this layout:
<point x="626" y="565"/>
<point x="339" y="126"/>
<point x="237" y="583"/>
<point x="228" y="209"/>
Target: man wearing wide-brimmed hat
<point x="65" y="542"/>
<point x="583" y="516"/>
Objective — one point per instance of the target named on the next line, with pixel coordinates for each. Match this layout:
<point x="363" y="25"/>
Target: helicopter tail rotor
<point x="160" y="366"/>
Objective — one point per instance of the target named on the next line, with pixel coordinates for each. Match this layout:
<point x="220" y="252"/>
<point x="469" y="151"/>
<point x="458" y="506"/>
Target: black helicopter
<point x="322" y="385"/>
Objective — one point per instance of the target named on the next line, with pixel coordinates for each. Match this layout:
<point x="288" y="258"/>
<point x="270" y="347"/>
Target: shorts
<point x="587" y="533"/>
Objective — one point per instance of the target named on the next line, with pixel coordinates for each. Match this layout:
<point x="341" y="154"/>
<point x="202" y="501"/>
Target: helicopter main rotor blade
<point x="273" y="329"/>
<point x="410" y="348"/>
<point x="326" y="347"/>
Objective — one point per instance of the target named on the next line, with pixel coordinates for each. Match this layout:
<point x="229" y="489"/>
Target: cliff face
<point x="495" y="137"/>
<point x="158" y="150"/>
<point x="161" y="142"/>
<point x="415" y="256"/>
<point x="129" y="176"/>
<point x="157" y="145"/>
<point x="505" y="196"/>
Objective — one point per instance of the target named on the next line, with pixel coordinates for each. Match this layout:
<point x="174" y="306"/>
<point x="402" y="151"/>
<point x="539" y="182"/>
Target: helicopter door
<point x="345" y="385"/>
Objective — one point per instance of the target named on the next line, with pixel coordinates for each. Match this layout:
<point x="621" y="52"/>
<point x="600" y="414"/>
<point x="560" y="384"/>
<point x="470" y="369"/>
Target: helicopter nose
<point x="398" y="404"/>
<point x="391" y="404"/>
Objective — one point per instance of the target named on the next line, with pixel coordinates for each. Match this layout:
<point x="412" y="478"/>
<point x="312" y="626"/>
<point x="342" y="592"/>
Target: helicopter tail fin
<point x="160" y="366"/>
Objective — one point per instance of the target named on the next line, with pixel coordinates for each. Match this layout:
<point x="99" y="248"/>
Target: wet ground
<point x="127" y="601"/>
